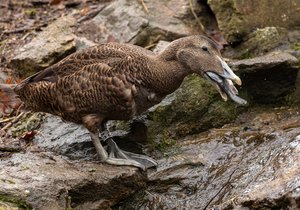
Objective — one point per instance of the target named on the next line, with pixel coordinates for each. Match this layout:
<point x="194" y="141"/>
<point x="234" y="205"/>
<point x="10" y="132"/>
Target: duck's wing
<point x="110" y="53"/>
<point x="93" y="89"/>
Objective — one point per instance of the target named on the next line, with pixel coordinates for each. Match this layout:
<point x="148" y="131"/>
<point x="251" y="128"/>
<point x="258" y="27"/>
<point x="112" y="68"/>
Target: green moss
<point x="296" y="46"/>
<point x="21" y="204"/>
<point x="68" y="203"/>
<point x="28" y="123"/>
<point x="196" y="107"/>
<point x="30" y="12"/>
<point x="162" y="142"/>
<point x="261" y="41"/>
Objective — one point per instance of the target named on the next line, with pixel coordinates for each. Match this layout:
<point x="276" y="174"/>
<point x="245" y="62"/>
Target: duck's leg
<point x="95" y="124"/>
<point x="110" y="159"/>
<point x="116" y="152"/>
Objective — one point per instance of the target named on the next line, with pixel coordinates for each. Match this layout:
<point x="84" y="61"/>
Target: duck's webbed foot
<point x="116" y="152"/>
<point x="118" y="157"/>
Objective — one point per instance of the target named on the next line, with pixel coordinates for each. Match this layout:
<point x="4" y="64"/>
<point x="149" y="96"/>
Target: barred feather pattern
<point x="108" y="81"/>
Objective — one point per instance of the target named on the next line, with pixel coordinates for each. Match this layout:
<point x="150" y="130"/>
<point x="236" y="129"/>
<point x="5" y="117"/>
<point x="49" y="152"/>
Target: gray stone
<point x="161" y="46"/>
<point x="46" y="181"/>
<point x="169" y="20"/>
<point x="263" y="63"/>
<point x="54" y="43"/>
<point x="119" y="21"/>
<point x="65" y="138"/>
<point x="82" y="43"/>
<point x="128" y="21"/>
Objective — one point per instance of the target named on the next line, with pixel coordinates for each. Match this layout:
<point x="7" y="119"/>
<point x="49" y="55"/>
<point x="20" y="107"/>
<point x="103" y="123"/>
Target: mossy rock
<point x="260" y="42"/>
<point x="238" y="18"/>
<point x="29" y="122"/>
<point x="196" y="107"/>
<point x="12" y="203"/>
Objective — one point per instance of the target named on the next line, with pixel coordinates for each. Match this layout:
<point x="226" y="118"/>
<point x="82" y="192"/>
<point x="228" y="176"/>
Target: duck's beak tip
<point x="238" y="81"/>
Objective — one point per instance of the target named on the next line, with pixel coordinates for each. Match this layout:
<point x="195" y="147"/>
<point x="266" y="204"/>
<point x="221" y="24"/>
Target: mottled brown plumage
<point x="117" y="81"/>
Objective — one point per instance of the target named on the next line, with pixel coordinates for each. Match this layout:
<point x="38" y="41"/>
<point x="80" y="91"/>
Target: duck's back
<point x="100" y="80"/>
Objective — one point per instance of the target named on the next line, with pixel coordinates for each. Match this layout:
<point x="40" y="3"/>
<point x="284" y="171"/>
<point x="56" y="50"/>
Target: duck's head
<point x="202" y="56"/>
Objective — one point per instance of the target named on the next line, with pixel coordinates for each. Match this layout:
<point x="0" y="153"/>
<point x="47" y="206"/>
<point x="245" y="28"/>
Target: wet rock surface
<point x="251" y="164"/>
<point x="66" y="139"/>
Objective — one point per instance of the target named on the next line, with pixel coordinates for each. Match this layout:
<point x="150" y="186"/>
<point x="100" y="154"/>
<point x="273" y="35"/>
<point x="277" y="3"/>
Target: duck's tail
<point x="7" y="87"/>
<point x="8" y="98"/>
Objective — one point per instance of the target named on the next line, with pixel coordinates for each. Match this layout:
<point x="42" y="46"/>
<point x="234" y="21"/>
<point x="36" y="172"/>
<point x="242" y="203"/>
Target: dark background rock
<point x="268" y="79"/>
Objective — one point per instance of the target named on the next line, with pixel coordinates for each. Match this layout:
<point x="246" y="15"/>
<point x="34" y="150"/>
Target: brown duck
<point x="116" y="81"/>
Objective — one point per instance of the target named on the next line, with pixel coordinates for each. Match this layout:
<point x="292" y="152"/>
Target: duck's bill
<point x="225" y="86"/>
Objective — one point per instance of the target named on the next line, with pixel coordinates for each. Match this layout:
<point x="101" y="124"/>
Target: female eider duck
<point x="116" y="81"/>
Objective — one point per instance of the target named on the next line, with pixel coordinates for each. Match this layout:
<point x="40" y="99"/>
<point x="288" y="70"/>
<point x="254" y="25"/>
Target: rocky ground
<point x="212" y="154"/>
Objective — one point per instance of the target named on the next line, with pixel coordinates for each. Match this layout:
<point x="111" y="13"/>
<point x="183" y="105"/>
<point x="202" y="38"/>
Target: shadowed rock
<point x="268" y="79"/>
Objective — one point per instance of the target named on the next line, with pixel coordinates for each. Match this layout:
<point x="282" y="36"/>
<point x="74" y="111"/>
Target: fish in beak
<point x="224" y="83"/>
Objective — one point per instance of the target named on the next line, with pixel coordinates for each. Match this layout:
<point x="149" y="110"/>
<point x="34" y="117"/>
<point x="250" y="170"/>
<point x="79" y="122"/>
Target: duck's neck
<point x="172" y="75"/>
<point x="169" y="73"/>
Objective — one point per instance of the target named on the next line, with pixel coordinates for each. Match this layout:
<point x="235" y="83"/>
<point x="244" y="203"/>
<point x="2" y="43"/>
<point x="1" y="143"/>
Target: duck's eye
<point x="204" y="48"/>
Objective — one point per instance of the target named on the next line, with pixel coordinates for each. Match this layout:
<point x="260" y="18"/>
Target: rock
<point x="82" y="43"/>
<point x="161" y="46"/>
<point x="43" y="180"/>
<point x="169" y="20"/>
<point x="65" y="138"/>
<point x="46" y="180"/>
<point x="268" y="79"/>
<point x="250" y="164"/>
<point x="262" y="63"/>
<point x="193" y="108"/>
<point x="130" y="21"/>
<point x="74" y="141"/>
<point x="260" y="42"/>
<point x="54" y="43"/>
<point x="238" y="18"/>
<point x="120" y="21"/>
